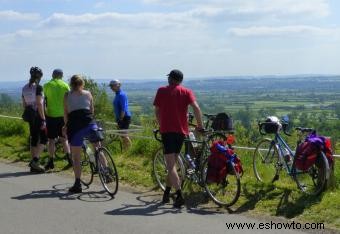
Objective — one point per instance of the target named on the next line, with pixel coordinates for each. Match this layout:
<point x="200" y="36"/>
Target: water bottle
<point x="193" y="139"/>
<point x="191" y="162"/>
<point x="89" y="152"/>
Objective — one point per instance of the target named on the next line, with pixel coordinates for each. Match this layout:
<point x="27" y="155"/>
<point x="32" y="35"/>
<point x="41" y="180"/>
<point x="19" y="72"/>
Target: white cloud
<point x="18" y="16"/>
<point x="304" y="30"/>
<point x="114" y="19"/>
<point x="314" y="8"/>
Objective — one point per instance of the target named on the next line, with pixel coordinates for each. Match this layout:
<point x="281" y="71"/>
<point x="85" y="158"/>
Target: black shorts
<point x="125" y="123"/>
<point x="172" y="142"/>
<point x="38" y="136"/>
<point x="54" y="127"/>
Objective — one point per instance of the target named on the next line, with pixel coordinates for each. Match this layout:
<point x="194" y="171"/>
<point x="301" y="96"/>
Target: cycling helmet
<point x="36" y="71"/>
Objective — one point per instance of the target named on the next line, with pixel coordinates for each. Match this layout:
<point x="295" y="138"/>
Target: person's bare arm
<point x="40" y="106"/>
<point x="197" y="114"/>
<point x="157" y="115"/>
<point x="65" y="109"/>
<point x="91" y="105"/>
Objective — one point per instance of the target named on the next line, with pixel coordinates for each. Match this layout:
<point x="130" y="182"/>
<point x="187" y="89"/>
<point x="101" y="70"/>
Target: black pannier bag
<point x="272" y="125"/>
<point x="222" y="122"/>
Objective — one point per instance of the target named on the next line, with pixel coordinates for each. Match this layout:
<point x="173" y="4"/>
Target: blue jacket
<point x="120" y="103"/>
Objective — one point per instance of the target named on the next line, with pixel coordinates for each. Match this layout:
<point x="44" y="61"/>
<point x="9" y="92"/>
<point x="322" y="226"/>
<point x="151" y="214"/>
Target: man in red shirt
<point x="171" y="109"/>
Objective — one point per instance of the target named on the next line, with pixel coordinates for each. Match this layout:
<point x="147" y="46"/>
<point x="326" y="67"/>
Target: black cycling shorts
<point x="54" y="127"/>
<point x="172" y="142"/>
<point x="38" y="136"/>
<point x="125" y="123"/>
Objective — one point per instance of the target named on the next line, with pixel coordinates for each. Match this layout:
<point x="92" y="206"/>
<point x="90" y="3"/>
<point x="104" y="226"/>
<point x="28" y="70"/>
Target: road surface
<point x="40" y="204"/>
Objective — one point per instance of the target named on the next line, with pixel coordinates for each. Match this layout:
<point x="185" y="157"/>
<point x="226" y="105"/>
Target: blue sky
<point x="141" y="39"/>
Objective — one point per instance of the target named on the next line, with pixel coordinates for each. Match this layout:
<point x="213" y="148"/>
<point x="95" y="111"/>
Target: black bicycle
<point x="192" y="165"/>
<point x="99" y="161"/>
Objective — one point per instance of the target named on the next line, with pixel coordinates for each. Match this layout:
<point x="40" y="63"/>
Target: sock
<point x="77" y="182"/>
<point x="179" y="193"/>
<point x="167" y="189"/>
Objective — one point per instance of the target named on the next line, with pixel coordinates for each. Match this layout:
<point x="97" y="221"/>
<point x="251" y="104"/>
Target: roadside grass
<point x="281" y="199"/>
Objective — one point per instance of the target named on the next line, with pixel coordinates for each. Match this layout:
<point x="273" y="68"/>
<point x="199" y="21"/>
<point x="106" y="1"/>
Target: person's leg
<point x="51" y="147"/>
<point x="59" y="133"/>
<point x="35" y="149"/>
<point x="124" y="125"/>
<point x="126" y="141"/>
<point x="67" y="151"/>
<point x="76" y="154"/>
<point x="172" y="172"/>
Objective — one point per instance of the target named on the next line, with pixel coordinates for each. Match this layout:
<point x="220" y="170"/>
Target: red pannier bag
<point x="329" y="152"/>
<point x="217" y="166"/>
<point x="306" y="155"/>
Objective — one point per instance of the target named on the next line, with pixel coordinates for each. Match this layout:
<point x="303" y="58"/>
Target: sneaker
<point x="179" y="202"/>
<point x="35" y="167"/>
<point x="75" y="189"/>
<point x="166" y="198"/>
<point x="49" y="165"/>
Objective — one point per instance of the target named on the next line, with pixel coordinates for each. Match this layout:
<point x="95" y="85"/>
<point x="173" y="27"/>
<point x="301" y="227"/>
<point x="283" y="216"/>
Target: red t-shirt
<point x="173" y="102"/>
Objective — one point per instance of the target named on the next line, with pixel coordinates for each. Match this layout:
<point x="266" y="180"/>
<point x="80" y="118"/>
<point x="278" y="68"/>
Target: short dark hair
<point x="176" y="75"/>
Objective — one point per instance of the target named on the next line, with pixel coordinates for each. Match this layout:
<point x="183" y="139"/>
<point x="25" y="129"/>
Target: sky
<point x="145" y="39"/>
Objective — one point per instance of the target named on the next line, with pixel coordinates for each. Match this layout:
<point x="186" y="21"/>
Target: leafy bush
<point x="9" y="127"/>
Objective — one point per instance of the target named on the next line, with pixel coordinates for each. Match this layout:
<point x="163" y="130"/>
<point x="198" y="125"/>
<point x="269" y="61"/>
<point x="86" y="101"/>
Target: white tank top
<point x="29" y="94"/>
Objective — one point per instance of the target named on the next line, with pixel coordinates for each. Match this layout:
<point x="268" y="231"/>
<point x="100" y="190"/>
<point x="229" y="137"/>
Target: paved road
<point x="40" y="204"/>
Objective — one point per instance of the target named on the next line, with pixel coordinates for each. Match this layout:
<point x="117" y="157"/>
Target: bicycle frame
<point x="281" y="145"/>
<point x="198" y="159"/>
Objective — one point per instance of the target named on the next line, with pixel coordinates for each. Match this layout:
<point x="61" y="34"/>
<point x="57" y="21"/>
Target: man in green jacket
<point x="54" y="91"/>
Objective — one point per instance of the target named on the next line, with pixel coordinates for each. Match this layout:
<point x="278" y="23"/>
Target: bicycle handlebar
<point x="156" y="134"/>
<point x="284" y="128"/>
<point x="305" y="130"/>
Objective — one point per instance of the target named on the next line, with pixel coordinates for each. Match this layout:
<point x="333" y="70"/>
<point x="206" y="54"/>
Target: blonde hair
<point x="76" y="82"/>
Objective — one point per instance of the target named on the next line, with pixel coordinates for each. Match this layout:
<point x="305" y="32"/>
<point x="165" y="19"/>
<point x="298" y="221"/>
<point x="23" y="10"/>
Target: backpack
<point x="222" y="122"/>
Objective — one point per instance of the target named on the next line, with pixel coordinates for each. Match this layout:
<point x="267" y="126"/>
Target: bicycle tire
<point x="266" y="161"/>
<point x="226" y="192"/>
<point x="87" y="168"/>
<point x="108" y="174"/>
<point x="314" y="180"/>
<point x="160" y="171"/>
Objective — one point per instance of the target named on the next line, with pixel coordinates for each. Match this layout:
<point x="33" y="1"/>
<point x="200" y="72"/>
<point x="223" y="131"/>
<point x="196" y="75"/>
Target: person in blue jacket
<point x="121" y="111"/>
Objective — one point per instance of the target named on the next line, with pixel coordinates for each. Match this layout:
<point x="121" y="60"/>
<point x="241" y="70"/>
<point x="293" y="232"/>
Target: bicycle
<point x="273" y="155"/>
<point x="99" y="162"/>
<point x="194" y="168"/>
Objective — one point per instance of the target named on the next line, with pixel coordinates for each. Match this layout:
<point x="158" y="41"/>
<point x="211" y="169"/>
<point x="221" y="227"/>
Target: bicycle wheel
<point x="312" y="181"/>
<point x="226" y="192"/>
<point x="160" y="172"/>
<point x="87" y="168"/>
<point x="107" y="171"/>
<point x="266" y="161"/>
